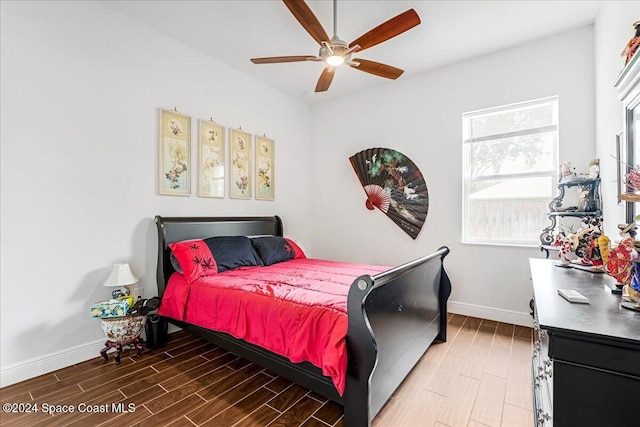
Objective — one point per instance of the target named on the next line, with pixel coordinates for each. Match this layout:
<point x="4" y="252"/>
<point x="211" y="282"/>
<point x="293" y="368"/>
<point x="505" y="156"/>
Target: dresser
<point x="586" y="357"/>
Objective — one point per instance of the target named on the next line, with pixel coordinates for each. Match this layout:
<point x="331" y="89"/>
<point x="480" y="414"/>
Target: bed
<point x="393" y="318"/>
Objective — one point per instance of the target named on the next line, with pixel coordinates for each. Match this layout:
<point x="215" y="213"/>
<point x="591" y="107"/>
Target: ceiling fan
<point x="335" y="52"/>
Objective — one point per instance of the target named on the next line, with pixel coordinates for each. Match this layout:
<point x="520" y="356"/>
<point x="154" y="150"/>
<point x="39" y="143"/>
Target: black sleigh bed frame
<point x="393" y="317"/>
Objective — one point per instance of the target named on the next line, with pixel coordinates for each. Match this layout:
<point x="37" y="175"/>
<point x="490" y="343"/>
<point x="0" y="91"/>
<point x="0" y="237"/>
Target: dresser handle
<point x="542" y="417"/>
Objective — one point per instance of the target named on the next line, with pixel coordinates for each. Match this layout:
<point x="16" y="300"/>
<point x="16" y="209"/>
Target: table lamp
<point x="120" y="277"/>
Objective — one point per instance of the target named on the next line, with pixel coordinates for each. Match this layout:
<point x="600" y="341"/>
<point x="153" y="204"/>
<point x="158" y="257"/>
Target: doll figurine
<point x="632" y="46"/>
<point x="566" y="173"/>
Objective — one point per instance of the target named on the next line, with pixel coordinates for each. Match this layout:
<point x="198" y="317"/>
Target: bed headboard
<point x="175" y="229"/>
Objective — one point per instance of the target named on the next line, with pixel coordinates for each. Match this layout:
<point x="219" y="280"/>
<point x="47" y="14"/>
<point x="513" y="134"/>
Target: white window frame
<point x="466" y="178"/>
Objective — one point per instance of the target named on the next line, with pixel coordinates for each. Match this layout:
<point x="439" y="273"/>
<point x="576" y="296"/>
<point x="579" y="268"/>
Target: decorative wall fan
<point x="335" y="52"/>
<point x="395" y="185"/>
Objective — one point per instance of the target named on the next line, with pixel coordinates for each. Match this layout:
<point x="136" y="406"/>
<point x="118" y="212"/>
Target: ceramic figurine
<point x="594" y="168"/>
<point x="583" y="199"/>
<point x="566" y="173"/>
<point x="566" y="242"/>
<point x="626" y="229"/>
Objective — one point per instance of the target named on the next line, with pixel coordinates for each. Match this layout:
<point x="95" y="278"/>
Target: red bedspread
<point x="296" y="308"/>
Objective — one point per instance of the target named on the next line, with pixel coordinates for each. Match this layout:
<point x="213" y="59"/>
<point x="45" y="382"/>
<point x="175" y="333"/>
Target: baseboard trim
<point x="61" y="359"/>
<point x="49" y="362"/>
<point x="53" y="361"/>
<point x="490" y="313"/>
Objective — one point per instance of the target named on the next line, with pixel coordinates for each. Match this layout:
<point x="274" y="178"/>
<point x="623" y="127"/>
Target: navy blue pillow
<point x="175" y="263"/>
<point x="273" y="249"/>
<point x="231" y="252"/>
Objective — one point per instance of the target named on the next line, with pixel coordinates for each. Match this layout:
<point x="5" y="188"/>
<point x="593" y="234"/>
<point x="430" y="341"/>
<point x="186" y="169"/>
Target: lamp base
<point x="121" y="291"/>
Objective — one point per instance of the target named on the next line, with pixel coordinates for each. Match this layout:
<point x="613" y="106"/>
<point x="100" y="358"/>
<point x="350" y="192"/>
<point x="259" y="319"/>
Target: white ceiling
<point x="235" y="31"/>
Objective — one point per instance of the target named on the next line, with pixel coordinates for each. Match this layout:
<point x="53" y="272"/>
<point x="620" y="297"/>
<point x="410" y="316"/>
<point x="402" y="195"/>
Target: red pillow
<point x="195" y="258"/>
<point x="298" y="253"/>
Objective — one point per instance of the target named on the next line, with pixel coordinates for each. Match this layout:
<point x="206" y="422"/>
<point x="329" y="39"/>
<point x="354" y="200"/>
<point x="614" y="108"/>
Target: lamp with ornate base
<point x="120" y="277"/>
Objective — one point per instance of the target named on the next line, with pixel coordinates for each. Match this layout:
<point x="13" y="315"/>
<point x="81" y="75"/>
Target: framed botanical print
<point x="175" y="153"/>
<point x="240" y="167"/>
<point x="265" y="162"/>
<point x="211" y="159"/>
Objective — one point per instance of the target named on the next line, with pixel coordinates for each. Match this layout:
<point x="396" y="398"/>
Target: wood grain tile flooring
<point x="480" y="377"/>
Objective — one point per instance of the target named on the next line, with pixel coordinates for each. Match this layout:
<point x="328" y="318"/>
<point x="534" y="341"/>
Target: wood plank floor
<point x="479" y="377"/>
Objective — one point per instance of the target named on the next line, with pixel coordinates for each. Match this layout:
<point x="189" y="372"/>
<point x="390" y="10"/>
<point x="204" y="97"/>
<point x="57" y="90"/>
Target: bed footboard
<point x="394" y="317"/>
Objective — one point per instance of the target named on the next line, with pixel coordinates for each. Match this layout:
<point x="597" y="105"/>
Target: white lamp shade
<point x="121" y="275"/>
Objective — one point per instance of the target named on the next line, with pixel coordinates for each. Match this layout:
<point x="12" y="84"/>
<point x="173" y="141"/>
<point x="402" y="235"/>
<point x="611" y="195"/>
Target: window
<point x="509" y="171"/>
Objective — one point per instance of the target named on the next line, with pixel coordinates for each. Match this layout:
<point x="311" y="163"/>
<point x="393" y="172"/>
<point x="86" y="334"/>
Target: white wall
<point x="421" y="117"/>
<point x="612" y="30"/>
<point x="81" y="85"/>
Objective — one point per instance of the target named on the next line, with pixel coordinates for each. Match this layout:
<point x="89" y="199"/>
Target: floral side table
<point x="122" y="332"/>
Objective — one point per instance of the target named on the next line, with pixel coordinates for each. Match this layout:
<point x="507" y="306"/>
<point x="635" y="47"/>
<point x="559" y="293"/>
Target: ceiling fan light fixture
<point x="335" y="60"/>
<point x="335" y="52"/>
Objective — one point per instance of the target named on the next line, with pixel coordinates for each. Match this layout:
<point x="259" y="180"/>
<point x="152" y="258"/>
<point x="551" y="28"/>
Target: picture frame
<point x="264" y="168"/>
<point x="240" y="164"/>
<point x="211" y="159"/>
<point x="175" y="153"/>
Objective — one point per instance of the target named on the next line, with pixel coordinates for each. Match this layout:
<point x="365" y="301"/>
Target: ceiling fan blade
<point x="307" y="19"/>
<point x="325" y="79"/>
<point x="378" y="69"/>
<point x="387" y="30"/>
<point x="278" y="59"/>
